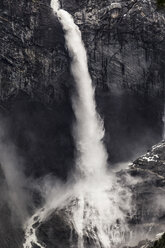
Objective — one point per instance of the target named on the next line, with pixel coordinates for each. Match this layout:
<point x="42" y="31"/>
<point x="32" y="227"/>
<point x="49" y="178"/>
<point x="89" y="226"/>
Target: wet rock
<point x="57" y="231"/>
<point x="146" y="179"/>
<point x="148" y="187"/>
<point x="35" y="246"/>
<point x="158" y="242"/>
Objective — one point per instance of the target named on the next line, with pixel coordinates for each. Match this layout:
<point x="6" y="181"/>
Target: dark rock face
<point x="161" y="3"/>
<point x="33" y="57"/>
<point x="148" y="192"/>
<point x="159" y="242"/>
<point x="124" y="40"/>
<point x="58" y="231"/>
<point x="125" y="46"/>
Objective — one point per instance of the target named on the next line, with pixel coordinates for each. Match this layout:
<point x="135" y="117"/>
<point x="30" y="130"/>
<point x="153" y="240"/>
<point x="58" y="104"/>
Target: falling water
<point x="100" y="208"/>
<point x="88" y="129"/>
<point x="163" y="119"/>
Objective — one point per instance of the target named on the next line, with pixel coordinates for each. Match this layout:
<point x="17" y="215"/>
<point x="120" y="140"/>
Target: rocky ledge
<point x="148" y="187"/>
<point x="146" y="178"/>
<point x="158" y="242"/>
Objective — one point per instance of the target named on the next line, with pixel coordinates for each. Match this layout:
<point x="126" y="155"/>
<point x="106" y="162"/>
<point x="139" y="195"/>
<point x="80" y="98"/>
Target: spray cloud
<point x="100" y="204"/>
<point x="11" y="165"/>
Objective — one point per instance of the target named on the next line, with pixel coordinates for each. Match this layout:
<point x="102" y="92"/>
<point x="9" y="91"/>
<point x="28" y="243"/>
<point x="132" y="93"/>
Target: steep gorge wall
<point x="124" y="40"/>
<point x="125" y="45"/>
<point x="33" y="58"/>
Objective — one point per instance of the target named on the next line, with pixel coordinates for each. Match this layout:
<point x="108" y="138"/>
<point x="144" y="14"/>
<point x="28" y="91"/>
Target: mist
<point x="98" y="204"/>
<point x="88" y="128"/>
<point x="12" y="167"/>
<point x="94" y="198"/>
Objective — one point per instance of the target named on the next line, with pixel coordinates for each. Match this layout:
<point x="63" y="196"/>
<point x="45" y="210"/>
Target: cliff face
<point x="125" y="43"/>
<point x="125" y="46"/>
<point x="33" y="57"/>
<point x="148" y="191"/>
<point x="124" y="40"/>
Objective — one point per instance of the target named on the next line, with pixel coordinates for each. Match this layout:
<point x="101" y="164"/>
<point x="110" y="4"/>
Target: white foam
<point x="101" y="203"/>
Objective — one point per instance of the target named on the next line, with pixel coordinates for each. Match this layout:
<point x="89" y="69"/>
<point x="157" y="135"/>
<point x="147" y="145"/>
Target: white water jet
<point x="10" y="163"/>
<point x="88" y="129"/>
<point x="101" y="204"/>
<point x="55" y="5"/>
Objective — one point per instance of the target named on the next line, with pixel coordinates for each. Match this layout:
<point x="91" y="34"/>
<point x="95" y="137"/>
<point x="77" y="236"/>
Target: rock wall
<point x="33" y="58"/>
<point x="126" y="47"/>
<point x="124" y="40"/>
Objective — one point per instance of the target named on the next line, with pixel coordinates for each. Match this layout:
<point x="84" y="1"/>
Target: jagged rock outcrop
<point x="58" y="230"/>
<point x="146" y="178"/>
<point x="158" y="242"/>
<point x="149" y="191"/>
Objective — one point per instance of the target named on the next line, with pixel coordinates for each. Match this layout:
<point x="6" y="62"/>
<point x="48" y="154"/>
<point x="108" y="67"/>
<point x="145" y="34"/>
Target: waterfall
<point x="99" y="204"/>
<point x="88" y="129"/>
